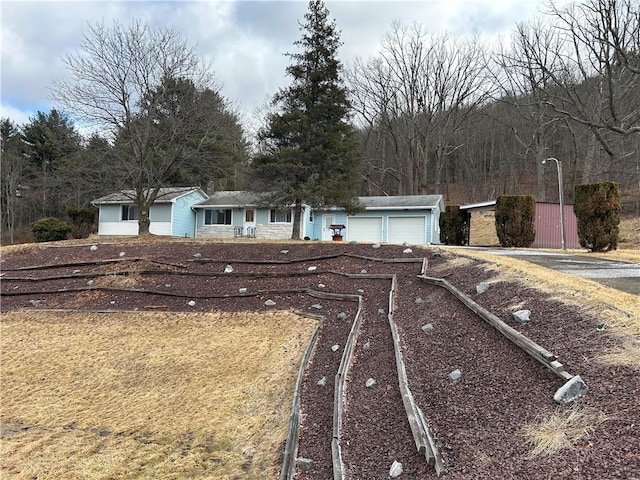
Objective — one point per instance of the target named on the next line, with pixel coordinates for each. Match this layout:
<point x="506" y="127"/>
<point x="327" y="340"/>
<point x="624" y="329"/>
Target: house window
<point x="310" y="216"/>
<point x="130" y="212"/>
<point x="280" y="216"/>
<point x="217" y="217"/>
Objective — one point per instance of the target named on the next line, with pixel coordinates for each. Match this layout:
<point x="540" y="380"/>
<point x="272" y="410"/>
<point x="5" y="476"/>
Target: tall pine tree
<point x="309" y="150"/>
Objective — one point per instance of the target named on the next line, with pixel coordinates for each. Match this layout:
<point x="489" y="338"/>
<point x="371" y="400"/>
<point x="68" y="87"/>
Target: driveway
<point x="623" y="276"/>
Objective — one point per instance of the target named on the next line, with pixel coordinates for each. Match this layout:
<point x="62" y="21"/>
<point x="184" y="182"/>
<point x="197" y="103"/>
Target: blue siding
<point x="184" y="219"/>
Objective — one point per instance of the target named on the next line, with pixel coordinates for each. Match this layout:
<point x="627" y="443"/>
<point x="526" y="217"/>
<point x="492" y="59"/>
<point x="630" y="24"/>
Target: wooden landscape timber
<point x="539" y="353"/>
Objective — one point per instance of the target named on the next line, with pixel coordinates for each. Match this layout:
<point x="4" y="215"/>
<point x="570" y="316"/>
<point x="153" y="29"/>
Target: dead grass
<point x="148" y="396"/>
<point x="561" y="431"/>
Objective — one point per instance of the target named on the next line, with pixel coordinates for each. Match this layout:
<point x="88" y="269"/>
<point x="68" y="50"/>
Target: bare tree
<point x="415" y="96"/>
<point x="129" y="81"/>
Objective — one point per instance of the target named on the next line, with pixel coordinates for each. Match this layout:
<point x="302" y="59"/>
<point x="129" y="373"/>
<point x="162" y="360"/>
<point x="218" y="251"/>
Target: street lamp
<point x="559" y="165"/>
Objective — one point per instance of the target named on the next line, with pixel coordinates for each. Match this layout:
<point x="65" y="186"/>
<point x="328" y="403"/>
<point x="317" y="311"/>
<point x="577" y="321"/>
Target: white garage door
<point x="407" y="229"/>
<point x="364" y="229"/>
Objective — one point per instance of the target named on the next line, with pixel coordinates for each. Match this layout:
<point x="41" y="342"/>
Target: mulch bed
<point x="477" y="421"/>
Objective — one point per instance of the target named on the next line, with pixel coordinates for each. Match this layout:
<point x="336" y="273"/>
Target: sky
<point x="246" y="40"/>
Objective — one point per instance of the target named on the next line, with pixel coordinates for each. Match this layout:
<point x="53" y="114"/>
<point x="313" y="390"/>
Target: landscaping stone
<point x="427" y="327"/>
<point x="342" y="316"/>
<point x="381" y="311"/>
<point x="396" y="469"/>
<point x="284" y="252"/>
<point x="363" y="271"/>
<point x="242" y="290"/>
<point x="322" y="382"/>
<point x="228" y="269"/>
<point x="269" y="303"/>
<point x="419" y="301"/>
<point x="573" y="389"/>
<point x="122" y="254"/>
<point x="321" y="285"/>
<point x="522" y="316"/>
<point x="370" y="383"/>
<point x="197" y="255"/>
<point x="375" y="245"/>
<point x="191" y="303"/>
<point x="304" y="464"/>
<point x="366" y="346"/>
<point x="312" y="269"/>
<point x="482" y="287"/>
<point x="455" y="375"/>
<point x="93" y="248"/>
<point x="335" y="348"/>
<point x="407" y="250"/>
<point x="317" y="306"/>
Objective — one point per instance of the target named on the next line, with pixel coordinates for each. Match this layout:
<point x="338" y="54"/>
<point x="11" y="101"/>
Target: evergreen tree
<point x="309" y="150"/>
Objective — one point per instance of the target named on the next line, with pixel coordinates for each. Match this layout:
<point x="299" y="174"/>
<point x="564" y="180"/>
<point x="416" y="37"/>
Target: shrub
<point x="515" y="216"/>
<point x="50" y="229"/>
<point x="82" y="220"/>
<point x="597" y="208"/>
<point x="454" y="226"/>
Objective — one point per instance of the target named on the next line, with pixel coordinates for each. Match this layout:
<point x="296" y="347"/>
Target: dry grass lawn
<point x="147" y="396"/>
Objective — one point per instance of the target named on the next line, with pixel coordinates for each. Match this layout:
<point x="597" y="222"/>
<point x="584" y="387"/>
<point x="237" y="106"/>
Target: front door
<point x="327" y="220"/>
<point x="249" y="223"/>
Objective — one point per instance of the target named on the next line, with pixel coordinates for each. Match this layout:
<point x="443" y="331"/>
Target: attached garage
<point x="407" y="229"/>
<point x="364" y="229"/>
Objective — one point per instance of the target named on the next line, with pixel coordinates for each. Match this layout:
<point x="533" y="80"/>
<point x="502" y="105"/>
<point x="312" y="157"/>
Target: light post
<point x="559" y="165"/>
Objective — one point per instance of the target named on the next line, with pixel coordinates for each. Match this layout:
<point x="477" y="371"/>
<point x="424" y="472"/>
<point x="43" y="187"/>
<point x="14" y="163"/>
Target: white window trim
<point x="204" y="220"/>
<point x="274" y="210"/>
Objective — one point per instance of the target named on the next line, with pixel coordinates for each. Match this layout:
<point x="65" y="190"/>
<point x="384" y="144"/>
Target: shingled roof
<point x="165" y="195"/>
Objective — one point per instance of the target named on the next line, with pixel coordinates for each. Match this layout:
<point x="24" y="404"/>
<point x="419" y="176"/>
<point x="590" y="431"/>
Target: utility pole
<point x="561" y="198"/>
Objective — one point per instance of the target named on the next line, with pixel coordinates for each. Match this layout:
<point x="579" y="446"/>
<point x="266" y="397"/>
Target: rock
<point x="370" y="383"/>
<point x="375" y="246"/>
<point x="228" y="269"/>
<point x="312" y="269"/>
<point x="317" y="306"/>
<point x="381" y="311"/>
<point x="522" y="316"/>
<point x="242" y="290"/>
<point x="34" y="303"/>
<point x="284" y="252"/>
<point x="366" y="346"/>
<point x="353" y="242"/>
<point x="405" y="244"/>
<point x="90" y="282"/>
<point x="363" y="271"/>
<point x="321" y="285"/>
<point x="419" y="301"/>
<point x="427" y="327"/>
<point x="93" y="248"/>
<point x="342" y="316"/>
<point x="112" y="302"/>
<point x="197" y="255"/>
<point x="396" y="469"/>
<point x="191" y="303"/>
<point x="360" y="290"/>
<point x="304" y="464"/>
<point x="76" y="272"/>
<point x="573" y="388"/>
<point x="482" y="287"/>
<point x="407" y="250"/>
<point x="167" y="285"/>
<point x="455" y="375"/>
<point x="335" y="348"/>
<point x="122" y="254"/>
<point x="322" y="382"/>
<point x="269" y="303"/>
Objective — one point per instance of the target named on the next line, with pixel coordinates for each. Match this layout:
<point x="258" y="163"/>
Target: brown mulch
<point x="477" y="421"/>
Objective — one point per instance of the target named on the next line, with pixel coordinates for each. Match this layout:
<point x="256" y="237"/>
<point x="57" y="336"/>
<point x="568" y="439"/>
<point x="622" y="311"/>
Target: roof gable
<point x="165" y="195"/>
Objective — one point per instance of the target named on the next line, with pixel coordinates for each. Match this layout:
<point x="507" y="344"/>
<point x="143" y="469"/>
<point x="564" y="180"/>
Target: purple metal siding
<point x="548" y="226"/>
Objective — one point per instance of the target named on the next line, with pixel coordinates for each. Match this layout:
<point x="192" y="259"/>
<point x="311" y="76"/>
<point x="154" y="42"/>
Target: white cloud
<point x="245" y="40"/>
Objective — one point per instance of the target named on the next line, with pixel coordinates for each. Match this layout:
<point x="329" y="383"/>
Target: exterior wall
<point x="159" y="228"/>
<point x="274" y="231"/>
<point x="109" y="222"/>
<point x="432" y="233"/>
<point x="214" y="231"/>
<point x="547" y="225"/>
<point x="183" y="218"/>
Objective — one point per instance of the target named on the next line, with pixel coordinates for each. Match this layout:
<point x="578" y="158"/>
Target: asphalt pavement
<point x="624" y="276"/>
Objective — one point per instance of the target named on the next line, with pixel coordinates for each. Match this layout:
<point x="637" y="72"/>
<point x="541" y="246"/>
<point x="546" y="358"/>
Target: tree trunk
<point x="297" y="215"/>
<point x="144" y="221"/>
